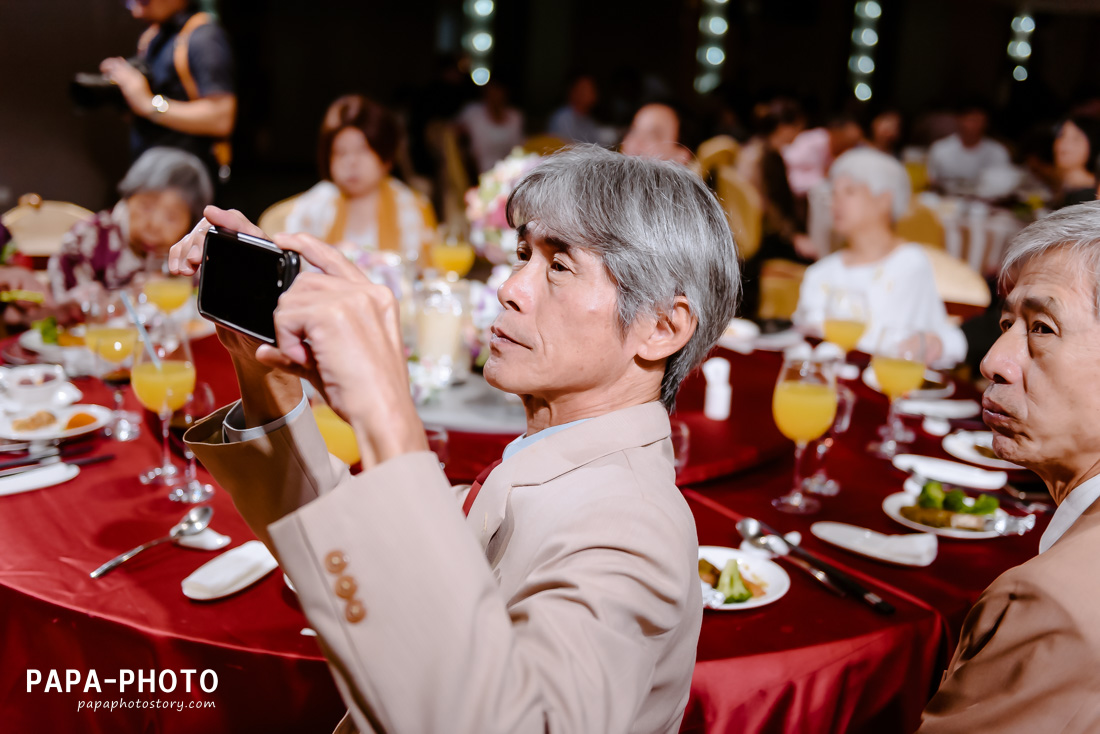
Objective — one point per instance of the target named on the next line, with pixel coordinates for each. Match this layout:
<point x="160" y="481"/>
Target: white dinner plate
<point x="54" y="432"/>
<point x="950" y="472"/>
<point x="942" y="409"/>
<point x="964" y="445"/>
<point x="871" y="381"/>
<point x="910" y="549"/>
<point x="767" y="574"/>
<point x="779" y="341"/>
<point x="77" y="361"/>
<point x="892" y="507"/>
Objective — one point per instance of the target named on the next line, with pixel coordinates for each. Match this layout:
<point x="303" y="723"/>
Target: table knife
<point x="56" y="460"/>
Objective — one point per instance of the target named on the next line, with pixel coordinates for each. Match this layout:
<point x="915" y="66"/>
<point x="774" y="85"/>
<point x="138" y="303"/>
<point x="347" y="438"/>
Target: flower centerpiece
<point x="486" y="206"/>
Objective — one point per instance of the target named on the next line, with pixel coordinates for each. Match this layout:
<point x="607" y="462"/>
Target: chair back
<point x="273" y="220"/>
<point x="956" y="281"/>
<point x="922" y="225"/>
<point x="543" y="145"/>
<point x="744" y="208"/>
<point x="38" y="226"/>
<point x="721" y="150"/>
<point x="780" y="284"/>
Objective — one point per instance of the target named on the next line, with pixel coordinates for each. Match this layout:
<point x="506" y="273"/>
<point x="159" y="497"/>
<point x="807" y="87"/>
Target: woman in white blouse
<point x="870" y="193"/>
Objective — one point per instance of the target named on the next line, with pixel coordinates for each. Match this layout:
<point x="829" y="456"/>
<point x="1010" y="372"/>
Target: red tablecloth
<point x="809" y="662"/>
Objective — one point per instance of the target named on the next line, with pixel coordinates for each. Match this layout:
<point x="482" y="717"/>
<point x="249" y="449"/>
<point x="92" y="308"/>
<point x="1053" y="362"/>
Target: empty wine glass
<point x="163" y="379"/>
<point x="804" y="406"/>
<point x="847" y="314"/>
<point x="898" y="364"/>
<point x="192" y="491"/>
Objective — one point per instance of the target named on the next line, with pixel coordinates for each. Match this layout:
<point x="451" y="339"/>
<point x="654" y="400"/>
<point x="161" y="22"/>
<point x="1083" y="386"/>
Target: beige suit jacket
<point x="1029" y="656"/>
<point x="568" y="600"/>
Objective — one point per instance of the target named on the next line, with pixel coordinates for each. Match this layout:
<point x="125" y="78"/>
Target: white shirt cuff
<point x="232" y="432"/>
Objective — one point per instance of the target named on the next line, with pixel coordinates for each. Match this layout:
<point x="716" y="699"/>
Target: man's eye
<point x="523" y="254"/>
<point x="1038" y="327"/>
<point x="558" y="266"/>
<point x="1006" y="324"/>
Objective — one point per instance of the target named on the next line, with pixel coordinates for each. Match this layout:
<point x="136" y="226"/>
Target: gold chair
<point x="744" y="208"/>
<point x="716" y="152"/>
<point x="273" y="220"/>
<point x="38" y="226"/>
<point x="780" y="283"/>
<point x="957" y="282"/>
<point x="922" y="225"/>
<point x="543" y="144"/>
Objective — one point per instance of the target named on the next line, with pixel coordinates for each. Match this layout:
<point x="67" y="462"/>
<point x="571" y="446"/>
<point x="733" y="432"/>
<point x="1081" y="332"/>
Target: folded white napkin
<point x="46" y="476"/>
<point x="230" y="572"/>
<point x="911" y="549"/>
<point x="208" y="539"/>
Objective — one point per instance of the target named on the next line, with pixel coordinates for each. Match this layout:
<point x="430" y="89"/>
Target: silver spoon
<point x="193" y="522"/>
<point x="751" y="531"/>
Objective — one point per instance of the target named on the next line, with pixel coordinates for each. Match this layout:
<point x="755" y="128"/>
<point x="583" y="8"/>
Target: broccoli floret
<point x="984" y="505"/>
<point x="931" y="496"/>
<point x="955" y="500"/>
<point x="47" y="327"/>
<point x="730" y="584"/>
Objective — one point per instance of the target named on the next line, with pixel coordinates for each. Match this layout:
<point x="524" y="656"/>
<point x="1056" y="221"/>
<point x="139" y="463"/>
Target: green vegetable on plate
<point x="731" y="586"/>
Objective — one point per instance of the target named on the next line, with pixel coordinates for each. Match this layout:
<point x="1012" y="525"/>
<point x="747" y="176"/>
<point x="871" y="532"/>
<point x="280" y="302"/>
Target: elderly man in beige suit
<point x="1029" y="656"/>
<point x="567" y="599"/>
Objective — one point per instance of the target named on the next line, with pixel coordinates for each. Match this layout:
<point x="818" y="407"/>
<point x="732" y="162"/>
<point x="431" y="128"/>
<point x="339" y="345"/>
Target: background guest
<point x="1075" y="153"/>
<point x="871" y="192"/>
<point x="655" y="133"/>
<point x="492" y="126"/>
<point x="188" y="99"/>
<point x="358" y="206"/>
<point x="573" y="122"/>
<point x="956" y="162"/>
<point x="886" y="132"/>
<point x="163" y="195"/>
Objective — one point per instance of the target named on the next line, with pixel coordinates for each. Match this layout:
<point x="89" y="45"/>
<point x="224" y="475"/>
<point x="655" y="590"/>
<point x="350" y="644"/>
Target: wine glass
<point x="338" y="435"/>
<point x="453" y="256"/>
<point x="192" y="491"/>
<point x="167" y="292"/>
<point x="847" y="314"/>
<point x="804" y="406"/>
<point x="898" y="363"/>
<point x="163" y="379"/>
<point x="111" y="338"/>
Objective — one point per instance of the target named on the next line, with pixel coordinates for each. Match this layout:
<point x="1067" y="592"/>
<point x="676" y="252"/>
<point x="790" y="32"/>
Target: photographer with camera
<point x="180" y="84"/>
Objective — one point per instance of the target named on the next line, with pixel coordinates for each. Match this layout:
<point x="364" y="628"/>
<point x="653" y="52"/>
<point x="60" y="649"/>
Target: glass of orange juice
<point x="847" y="315"/>
<point x="898" y="364"/>
<point x="338" y="435"/>
<point x="111" y="337"/>
<point x="163" y="379"/>
<point x="804" y="407"/>
<point x="453" y="256"/>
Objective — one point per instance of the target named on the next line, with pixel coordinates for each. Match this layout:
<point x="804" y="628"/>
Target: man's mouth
<point x="502" y="338"/>
<point x="994" y="415"/>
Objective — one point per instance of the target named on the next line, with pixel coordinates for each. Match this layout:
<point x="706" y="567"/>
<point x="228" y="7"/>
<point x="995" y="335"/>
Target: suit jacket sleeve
<point x="1022" y="665"/>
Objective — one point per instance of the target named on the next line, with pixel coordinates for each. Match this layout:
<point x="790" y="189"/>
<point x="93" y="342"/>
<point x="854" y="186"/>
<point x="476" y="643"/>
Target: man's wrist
<point x="266" y="394"/>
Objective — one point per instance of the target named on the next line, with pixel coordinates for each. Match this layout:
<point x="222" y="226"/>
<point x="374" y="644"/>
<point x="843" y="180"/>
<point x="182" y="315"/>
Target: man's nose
<point x="1002" y="363"/>
<point x="515" y="293"/>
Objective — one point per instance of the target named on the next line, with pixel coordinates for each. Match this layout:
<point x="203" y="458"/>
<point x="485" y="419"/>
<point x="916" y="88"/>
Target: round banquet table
<point x="808" y="662"/>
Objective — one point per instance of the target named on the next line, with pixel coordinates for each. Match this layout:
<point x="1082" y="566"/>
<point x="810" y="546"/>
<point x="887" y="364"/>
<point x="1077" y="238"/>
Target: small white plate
<point x="67" y="394"/>
<point x="46" y="476"/>
<point x="759" y="570"/>
<point x="950" y="472"/>
<point x="867" y="542"/>
<point x="739" y="334"/>
<point x="892" y="507"/>
<point x="943" y="409"/>
<point x="54" y="432"/>
<point x="778" y="341"/>
<point x="871" y="381"/>
<point x="964" y="445"/>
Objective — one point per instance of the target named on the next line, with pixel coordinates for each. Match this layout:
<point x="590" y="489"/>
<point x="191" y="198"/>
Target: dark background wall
<point x="295" y="56"/>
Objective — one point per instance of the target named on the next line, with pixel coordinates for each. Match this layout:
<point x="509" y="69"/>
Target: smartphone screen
<point x="241" y="280"/>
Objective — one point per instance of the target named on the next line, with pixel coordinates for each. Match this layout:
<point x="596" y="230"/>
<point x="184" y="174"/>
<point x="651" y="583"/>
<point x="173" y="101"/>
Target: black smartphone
<point x="241" y="279"/>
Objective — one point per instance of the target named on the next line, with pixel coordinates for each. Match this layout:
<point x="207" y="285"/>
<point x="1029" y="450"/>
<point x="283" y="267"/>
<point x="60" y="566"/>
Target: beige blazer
<point x="1029" y="656"/>
<point x="568" y="600"/>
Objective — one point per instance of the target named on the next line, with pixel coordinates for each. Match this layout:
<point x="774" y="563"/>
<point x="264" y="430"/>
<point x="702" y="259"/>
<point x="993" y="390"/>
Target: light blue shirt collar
<point x="1072" y="507"/>
<point x="524" y="441"/>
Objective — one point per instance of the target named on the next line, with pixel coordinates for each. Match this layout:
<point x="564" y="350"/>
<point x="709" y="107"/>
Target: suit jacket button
<point x="336" y="561"/>
<point x="355" y="611"/>
<point x="346" y="587"/>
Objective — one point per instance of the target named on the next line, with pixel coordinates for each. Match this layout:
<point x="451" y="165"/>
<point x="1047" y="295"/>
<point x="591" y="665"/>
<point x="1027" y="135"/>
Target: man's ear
<point x="668" y="332"/>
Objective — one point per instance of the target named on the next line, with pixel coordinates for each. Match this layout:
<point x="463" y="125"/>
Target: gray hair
<point x="1076" y="228"/>
<point x="659" y="231"/>
<point x="158" y="169"/>
<point x="878" y="172"/>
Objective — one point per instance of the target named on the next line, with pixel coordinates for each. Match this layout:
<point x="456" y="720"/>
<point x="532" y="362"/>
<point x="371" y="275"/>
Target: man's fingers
<point x="322" y="255"/>
<point x="232" y="219"/>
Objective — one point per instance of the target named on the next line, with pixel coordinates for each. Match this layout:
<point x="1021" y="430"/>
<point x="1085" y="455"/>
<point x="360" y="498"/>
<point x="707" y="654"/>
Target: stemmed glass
<point x="847" y="314"/>
<point x="898" y="364"/>
<point x="167" y="292"/>
<point x="163" y="381"/>
<point x="804" y="406"/>
<point x="111" y="338"/>
<point x="338" y="436"/>
<point x="192" y="491"/>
